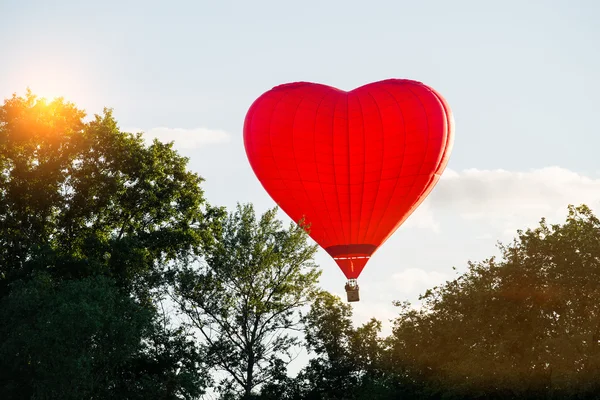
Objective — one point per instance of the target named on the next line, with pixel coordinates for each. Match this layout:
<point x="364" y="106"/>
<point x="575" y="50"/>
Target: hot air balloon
<point x="354" y="165"/>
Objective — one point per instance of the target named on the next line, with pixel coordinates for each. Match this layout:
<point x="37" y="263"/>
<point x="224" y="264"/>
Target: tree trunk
<point x="249" y="375"/>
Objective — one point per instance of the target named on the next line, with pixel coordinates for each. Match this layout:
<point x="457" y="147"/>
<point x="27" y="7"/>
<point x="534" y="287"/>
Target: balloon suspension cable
<point x="352" y="290"/>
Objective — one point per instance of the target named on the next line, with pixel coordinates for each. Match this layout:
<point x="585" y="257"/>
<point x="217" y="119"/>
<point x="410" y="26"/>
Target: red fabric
<point x="354" y="164"/>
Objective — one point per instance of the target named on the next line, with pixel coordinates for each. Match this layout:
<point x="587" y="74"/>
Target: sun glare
<point x="51" y="81"/>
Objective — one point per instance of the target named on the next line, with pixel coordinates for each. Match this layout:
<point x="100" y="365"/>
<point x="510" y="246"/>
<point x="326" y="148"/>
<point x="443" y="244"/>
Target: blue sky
<point x="522" y="78"/>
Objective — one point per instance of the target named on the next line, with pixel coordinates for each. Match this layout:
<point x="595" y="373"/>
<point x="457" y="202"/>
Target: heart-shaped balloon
<point x="353" y="164"/>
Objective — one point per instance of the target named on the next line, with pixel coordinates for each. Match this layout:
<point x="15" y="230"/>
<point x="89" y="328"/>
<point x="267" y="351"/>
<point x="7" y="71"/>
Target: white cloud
<point x="470" y="207"/>
<point x="185" y="138"/>
<point x="507" y="200"/>
<point x="363" y="311"/>
<point x="413" y="281"/>
<point x="423" y="218"/>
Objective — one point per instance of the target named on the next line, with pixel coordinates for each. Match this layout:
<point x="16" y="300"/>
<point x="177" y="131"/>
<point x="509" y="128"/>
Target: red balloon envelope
<point x="354" y="164"/>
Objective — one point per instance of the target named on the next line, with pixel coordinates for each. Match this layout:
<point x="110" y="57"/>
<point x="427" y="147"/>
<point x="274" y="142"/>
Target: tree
<point x="349" y="362"/>
<point x="524" y="326"/>
<point x="90" y="197"/>
<point x="328" y="327"/>
<point x="81" y="339"/>
<point x="245" y="294"/>
<point x="89" y="212"/>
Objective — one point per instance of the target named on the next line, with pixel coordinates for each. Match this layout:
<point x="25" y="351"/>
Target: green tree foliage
<point x="81" y="339"/>
<point x="56" y="338"/>
<point x="90" y="218"/>
<point x="331" y="374"/>
<point x="245" y="296"/>
<point x="82" y="198"/>
<point x="524" y="326"/>
<point x="348" y="363"/>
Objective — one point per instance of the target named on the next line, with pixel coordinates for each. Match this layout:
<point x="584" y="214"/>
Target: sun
<point x="48" y="87"/>
<point x="51" y="80"/>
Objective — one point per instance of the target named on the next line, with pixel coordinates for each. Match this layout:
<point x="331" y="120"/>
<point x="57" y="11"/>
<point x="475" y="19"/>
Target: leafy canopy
<point x="90" y="218"/>
<point x="526" y="325"/>
<point x="245" y="295"/>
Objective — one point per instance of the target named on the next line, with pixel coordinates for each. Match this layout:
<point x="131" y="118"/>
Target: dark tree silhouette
<point x="524" y="326"/>
<point x="90" y="218"/>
